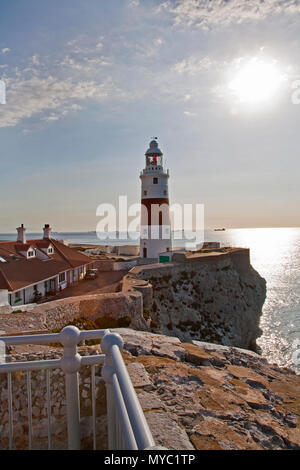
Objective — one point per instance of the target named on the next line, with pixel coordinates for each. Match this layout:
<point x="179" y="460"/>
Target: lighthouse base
<point x="155" y="239"/>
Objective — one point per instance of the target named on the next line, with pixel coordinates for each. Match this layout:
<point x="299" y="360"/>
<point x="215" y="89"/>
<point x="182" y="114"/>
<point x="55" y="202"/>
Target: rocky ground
<point x="204" y="396"/>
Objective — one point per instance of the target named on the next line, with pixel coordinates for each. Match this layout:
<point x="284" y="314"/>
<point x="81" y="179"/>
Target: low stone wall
<point x="131" y="284"/>
<point x="10" y="322"/>
<point x="105" y="307"/>
<point x="108" y="310"/>
<point x="112" y="265"/>
<point x="124" y="265"/>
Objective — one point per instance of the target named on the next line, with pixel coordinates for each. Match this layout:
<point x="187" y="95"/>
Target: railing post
<point x="107" y="373"/>
<point x="70" y="364"/>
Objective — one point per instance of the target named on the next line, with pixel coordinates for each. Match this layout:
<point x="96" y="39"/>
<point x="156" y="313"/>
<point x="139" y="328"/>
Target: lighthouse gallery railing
<point x="127" y="426"/>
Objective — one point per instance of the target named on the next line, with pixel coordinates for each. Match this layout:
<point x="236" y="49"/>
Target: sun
<point x="256" y="81"/>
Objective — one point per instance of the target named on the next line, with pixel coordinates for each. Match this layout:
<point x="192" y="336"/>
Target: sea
<point x="274" y="253"/>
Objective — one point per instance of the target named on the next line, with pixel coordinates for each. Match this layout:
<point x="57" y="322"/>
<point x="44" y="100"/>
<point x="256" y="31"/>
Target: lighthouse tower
<point x="155" y="214"/>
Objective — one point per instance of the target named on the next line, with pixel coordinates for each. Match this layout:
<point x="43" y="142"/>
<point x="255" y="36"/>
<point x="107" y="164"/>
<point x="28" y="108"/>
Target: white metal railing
<point x="127" y="426"/>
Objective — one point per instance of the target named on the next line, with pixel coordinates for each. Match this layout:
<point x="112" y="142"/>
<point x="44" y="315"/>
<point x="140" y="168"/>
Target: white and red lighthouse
<point x="155" y="215"/>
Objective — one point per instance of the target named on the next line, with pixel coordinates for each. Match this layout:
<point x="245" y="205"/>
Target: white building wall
<point x="3" y="297"/>
<point x="155" y="246"/>
<point x="29" y="292"/>
<point x="159" y="190"/>
<point x="27" y="295"/>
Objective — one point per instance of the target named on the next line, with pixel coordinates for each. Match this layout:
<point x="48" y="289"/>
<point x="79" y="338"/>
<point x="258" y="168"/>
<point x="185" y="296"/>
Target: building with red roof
<point x="33" y="269"/>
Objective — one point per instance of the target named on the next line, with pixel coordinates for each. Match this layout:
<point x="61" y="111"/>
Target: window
<point x="50" y="250"/>
<point x="18" y="295"/>
<point x="145" y="193"/>
<point x="155" y="180"/>
<point x="62" y="277"/>
<point x="30" y="254"/>
<point x="165" y="192"/>
<point x="154" y="160"/>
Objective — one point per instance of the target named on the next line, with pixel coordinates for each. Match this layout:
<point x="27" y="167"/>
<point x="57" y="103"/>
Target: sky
<point x="89" y="82"/>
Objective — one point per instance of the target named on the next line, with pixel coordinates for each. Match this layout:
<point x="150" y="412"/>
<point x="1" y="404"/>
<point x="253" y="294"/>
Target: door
<point x="144" y="252"/>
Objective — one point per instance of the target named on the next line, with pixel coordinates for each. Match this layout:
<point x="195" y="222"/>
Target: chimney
<point x="47" y="232"/>
<point x="21" y="234"/>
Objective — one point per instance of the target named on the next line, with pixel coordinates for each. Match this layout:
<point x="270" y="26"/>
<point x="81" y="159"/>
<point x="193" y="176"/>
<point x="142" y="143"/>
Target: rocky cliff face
<point x="216" y="298"/>
<point x="204" y="396"/>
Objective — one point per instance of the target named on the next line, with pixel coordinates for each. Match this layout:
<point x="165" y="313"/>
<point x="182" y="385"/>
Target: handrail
<point x="60" y="337"/>
<point x="111" y="345"/>
<point x="124" y="418"/>
<point x="30" y="365"/>
<point x="127" y="426"/>
<point x="137" y="418"/>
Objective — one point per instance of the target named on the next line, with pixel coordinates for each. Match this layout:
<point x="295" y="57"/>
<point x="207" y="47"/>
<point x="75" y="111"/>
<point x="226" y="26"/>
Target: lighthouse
<point x="155" y="213"/>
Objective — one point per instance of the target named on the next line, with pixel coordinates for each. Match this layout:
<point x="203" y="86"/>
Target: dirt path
<point x="105" y="282"/>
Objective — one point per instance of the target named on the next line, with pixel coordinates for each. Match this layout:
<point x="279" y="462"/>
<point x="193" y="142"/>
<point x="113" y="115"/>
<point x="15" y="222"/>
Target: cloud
<point x="159" y="41"/>
<point x="134" y="3"/>
<point x="50" y="87"/>
<point x="192" y="65"/>
<point x="86" y="64"/>
<point x="35" y="59"/>
<point x="51" y="98"/>
<point x="83" y="45"/>
<point x="206" y="13"/>
<point x="5" y="50"/>
<point x="189" y="113"/>
<point x="144" y="48"/>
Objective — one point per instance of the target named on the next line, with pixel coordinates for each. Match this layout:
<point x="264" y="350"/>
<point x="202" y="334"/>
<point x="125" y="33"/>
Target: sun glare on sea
<point x="256" y="80"/>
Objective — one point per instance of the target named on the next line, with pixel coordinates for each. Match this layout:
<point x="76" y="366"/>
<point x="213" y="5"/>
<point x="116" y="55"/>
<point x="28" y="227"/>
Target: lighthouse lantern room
<point x="155" y="214"/>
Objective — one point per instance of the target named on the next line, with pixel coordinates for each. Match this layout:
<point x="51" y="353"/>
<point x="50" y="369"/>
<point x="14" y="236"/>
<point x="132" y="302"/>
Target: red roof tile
<point x="18" y="272"/>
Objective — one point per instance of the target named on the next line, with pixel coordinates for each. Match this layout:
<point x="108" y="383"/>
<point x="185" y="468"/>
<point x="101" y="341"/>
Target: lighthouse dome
<point x="153" y="143"/>
<point x="153" y="149"/>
